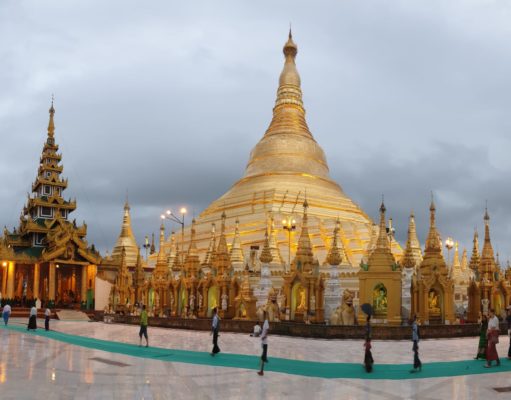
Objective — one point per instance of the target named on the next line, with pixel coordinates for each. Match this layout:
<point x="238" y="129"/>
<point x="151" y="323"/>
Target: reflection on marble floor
<point x="36" y="367"/>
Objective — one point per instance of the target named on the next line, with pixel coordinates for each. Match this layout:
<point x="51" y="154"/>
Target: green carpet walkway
<point x="283" y="365"/>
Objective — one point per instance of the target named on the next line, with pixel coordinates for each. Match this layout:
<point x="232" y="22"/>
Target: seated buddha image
<point x="380" y="300"/>
<point x="433" y="304"/>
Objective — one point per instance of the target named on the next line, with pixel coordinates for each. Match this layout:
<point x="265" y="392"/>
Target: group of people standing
<point x="32" y="319"/>
<point x="489" y="337"/>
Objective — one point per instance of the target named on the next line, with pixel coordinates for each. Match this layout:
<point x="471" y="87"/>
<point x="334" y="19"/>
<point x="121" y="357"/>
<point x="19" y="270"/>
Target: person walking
<point x="417" y="364"/>
<point x="493" y="339"/>
<point x="264" y="342"/>
<point x="215" y="327"/>
<point x="143" y="327"/>
<point x="32" y="320"/>
<point x="483" y="342"/>
<point x="368" y="356"/>
<point x="6" y="313"/>
<point x="508" y="320"/>
<point x="47" y="315"/>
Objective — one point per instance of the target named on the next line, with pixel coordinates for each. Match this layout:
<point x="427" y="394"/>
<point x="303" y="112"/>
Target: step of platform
<point x="72" y="315"/>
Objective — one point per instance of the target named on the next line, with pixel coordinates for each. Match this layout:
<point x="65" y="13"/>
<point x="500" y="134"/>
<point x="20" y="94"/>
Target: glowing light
<point x="4" y="264"/>
<point x="169" y="212"/>
<point x="183" y="210"/>
<point x="162" y="216"/>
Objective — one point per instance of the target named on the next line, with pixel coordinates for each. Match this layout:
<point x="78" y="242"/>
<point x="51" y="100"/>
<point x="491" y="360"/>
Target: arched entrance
<point x="212" y="299"/>
<point x="498" y="302"/>
<point x="150" y="299"/>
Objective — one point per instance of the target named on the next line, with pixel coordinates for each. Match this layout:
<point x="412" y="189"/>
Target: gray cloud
<point x="167" y="101"/>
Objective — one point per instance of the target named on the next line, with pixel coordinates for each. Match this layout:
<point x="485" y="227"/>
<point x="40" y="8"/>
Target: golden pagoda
<point x="380" y="281"/>
<point x="489" y="288"/>
<point x="126" y="240"/>
<point x="432" y="288"/>
<point x="286" y="163"/>
<point x="47" y="251"/>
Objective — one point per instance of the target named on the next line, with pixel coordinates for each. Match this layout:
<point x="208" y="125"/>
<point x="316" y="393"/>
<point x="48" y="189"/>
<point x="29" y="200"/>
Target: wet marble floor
<point x="37" y="367"/>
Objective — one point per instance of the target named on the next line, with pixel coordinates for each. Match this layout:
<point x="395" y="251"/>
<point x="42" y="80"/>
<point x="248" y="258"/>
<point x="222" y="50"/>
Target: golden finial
<point x="486" y="215"/>
<point x="51" y="124"/>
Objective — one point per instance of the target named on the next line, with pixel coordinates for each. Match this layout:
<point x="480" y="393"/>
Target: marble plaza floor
<point x="84" y="360"/>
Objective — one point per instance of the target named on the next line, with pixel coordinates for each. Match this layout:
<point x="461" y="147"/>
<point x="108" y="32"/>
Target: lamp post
<point x="146" y="246"/>
<point x="181" y="221"/>
<point x="289" y="225"/>
<point x="449" y="244"/>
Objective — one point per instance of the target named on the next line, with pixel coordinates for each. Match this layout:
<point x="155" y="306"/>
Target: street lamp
<point x="449" y="244"/>
<point x="289" y="225"/>
<point x="171" y="216"/>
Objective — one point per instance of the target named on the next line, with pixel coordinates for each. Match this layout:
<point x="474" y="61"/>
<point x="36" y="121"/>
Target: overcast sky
<point x="166" y="99"/>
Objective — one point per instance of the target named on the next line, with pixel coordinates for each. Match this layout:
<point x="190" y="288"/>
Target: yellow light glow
<point x="4" y="264"/>
<point x="183" y="210"/>
<point x="283" y="222"/>
<point x="169" y="212"/>
<point x="162" y="216"/>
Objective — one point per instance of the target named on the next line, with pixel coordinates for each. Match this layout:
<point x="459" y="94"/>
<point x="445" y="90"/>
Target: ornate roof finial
<point x="383" y="240"/>
<point x="51" y="124"/>
<point x="334" y="255"/>
<point x="266" y="256"/>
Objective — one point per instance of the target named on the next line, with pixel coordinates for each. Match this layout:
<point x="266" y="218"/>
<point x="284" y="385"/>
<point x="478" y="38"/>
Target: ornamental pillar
<point x="4" y="278"/>
<point x="37" y="273"/>
<point x="51" y="294"/>
<point x="11" y="269"/>
<point x="83" y="291"/>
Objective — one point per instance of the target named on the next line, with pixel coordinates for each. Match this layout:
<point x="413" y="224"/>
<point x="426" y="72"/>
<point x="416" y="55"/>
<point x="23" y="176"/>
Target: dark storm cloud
<point x="168" y="100"/>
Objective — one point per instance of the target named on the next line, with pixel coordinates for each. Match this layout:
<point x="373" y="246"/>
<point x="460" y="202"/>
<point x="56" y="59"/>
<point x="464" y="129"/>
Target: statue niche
<point x="380" y="300"/>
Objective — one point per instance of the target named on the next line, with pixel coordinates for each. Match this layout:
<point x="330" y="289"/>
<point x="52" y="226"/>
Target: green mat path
<point x="328" y="370"/>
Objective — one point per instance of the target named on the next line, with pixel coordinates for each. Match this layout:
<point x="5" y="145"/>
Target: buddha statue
<point x="433" y="303"/>
<point x="302" y="306"/>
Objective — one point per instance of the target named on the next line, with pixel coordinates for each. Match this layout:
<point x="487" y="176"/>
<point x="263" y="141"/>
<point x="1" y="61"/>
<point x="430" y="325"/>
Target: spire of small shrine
<point x="51" y="123"/>
<point x="432" y="241"/>
<point x="464" y="261"/>
<point x="222" y="260"/>
<point x="192" y="262"/>
<point x="236" y="250"/>
<point x="475" y="258"/>
<point x="173" y="250"/>
<point x="162" y="256"/>
<point x="152" y="250"/>
<point x="412" y="256"/>
<point x="304" y="259"/>
<point x="211" y="248"/>
<point x="266" y="256"/>
<point x="334" y="255"/>
<point x="126" y="239"/>
<point x="487" y="264"/>
<point x="383" y="240"/>
<point x="272" y="239"/>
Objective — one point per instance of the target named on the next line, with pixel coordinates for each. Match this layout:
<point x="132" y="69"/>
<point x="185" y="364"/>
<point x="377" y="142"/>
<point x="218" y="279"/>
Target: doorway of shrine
<point x="69" y="284"/>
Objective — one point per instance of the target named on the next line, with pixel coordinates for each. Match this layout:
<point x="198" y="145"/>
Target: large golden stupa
<point x="286" y="166"/>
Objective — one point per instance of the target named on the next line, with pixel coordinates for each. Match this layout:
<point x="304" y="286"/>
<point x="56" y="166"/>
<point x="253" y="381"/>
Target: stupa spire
<point x="383" y="240"/>
<point x="334" y="255"/>
<point x="412" y="256"/>
<point x="432" y="241"/>
<point x="236" y="250"/>
<point x="222" y="260"/>
<point x="51" y="124"/>
<point x="475" y="258"/>
<point x="192" y="262"/>
<point x="126" y="239"/>
<point x="487" y="264"/>
<point x="266" y="256"/>
<point x="304" y="259"/>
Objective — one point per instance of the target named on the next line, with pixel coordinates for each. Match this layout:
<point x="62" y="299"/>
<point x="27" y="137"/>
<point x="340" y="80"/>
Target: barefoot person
<point x="493" y="339"/>
<point x="32" y="320"/>
<point x="143" y="327"/>
<point x="483" y="342"/>
<point x="417" y="364"/>
<point x="264" y="342"/>
<point x="215" y="327"/>
<point x="6" y="313"/>
<point x="47" y="315"/>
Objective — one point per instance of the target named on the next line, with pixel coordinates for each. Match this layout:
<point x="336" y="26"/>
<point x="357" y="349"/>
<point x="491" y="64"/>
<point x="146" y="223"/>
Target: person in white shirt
<point x="257" y="330"/>
<point x="47" y="315"/>
<point x="493" y="338"/>
<point x="6" y="313"/>
<point x="264" y="342"/>
<point x="32" y="320"/>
